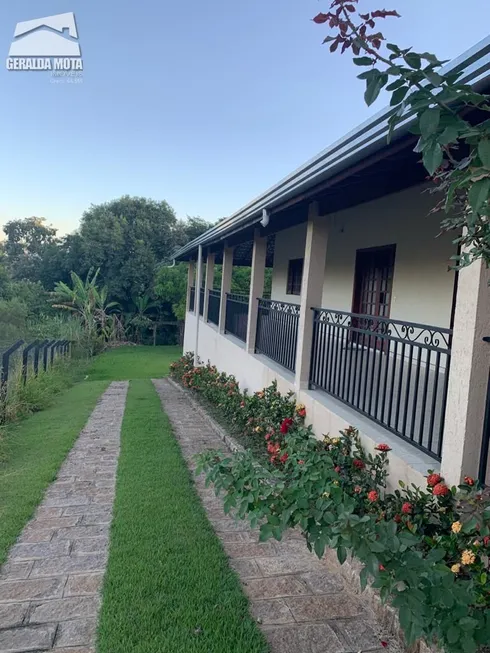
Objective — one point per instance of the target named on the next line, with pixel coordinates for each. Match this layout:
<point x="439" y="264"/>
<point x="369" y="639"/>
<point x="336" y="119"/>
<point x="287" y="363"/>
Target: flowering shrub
<point x="425" y="549"/>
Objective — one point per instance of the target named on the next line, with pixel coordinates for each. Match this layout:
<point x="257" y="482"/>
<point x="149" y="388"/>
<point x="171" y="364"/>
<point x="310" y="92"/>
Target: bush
<point x="425" y="549"/>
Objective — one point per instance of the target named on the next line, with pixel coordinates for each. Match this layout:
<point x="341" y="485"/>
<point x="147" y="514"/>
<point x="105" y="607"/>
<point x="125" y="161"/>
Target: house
<point x="365" y="323"/>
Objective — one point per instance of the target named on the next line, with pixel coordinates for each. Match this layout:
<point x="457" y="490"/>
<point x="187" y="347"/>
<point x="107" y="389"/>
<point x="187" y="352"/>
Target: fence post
<point x="25" y="357"/>
<point x="4" y="376"/>
<point x="46" y="352"/>
<point x="37" y="351"/>
<point x="54" y="346"/>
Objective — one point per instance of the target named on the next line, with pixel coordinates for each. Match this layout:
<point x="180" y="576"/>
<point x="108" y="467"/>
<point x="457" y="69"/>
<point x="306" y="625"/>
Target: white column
<point x="191" y="274"/>
<point x="468" y="376"/>
<point x="256" y="287"/>
<point x="208" y="284"/>
<point x="225" y="285"/>
<point x="197" y="302"/>
<point x="311" y="291"/>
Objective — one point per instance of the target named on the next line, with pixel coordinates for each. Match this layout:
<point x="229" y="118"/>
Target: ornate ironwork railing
<point x="396" y="373"/>
<point x="192" y="298"/>
<point x="214" y="306"/>
<point x="236" y="315"/>
<point x="277" y="331"/>
<point x="201" y="301"/>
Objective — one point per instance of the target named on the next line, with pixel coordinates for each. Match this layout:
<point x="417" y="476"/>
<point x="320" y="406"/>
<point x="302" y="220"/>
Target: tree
<point x="126" y="239"/>
<point x="26" y="245"/>
<point x="90" y="304"/>
<point x="60" y="259"/>
<point x="455" y="150"/>
<point x="189" y="229"/>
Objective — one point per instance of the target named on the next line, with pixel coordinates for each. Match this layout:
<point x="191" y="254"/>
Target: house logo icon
<point x="49" y="43"/>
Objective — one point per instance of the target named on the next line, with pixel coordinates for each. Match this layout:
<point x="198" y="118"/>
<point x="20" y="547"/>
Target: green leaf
<point x="342" y="554"/>
<point x="478" y="194"/>
<point x="319" y="547"/>
<point x="453" y="634"/>
<point x="483" y="579"/>
<point x="449" y="135"/>
<point x="394" y="85"/>
<point x="394" y="48"/>
<point x="429" y="121"/>
<point x="373" y="87"/>
<point x="399" y="95"/>
<point x="432" y="157"/>
<point x="484" y="152"/>
<point x="413" y="60"/>
<point x="362" y="61"/>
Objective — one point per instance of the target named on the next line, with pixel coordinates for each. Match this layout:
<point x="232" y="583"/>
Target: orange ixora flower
<point x="468" y="557"/>
<point x="373" y="496"/>
<point x="433" y="479"/>
<point x="456" y="568"/>
<point x="456" y="526"/>
<point x="440" y="490"/>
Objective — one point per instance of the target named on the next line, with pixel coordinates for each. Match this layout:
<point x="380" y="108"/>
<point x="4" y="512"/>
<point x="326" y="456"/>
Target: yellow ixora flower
<point x="326" y="495"/>
<point x="335" y="441"/>
<point x="456" y="527"/>
<point x="468" y="557"/>
<point x="456" y="568"/>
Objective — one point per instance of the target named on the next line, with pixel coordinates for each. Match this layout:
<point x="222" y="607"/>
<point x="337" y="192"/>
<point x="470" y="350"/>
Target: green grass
<point x="134" y="363"/>
<point x="35" y="449"/>
<point x="168" y="587"/>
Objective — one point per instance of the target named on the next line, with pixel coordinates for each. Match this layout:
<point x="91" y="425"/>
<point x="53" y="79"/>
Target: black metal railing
<point x="236" y="315"/>
<point x="396" y="373"/>
<point x="192" y="298"/>
<point x="277" y="331"/>
<point x="201" y="301"/>
<point x="214" y="306"/>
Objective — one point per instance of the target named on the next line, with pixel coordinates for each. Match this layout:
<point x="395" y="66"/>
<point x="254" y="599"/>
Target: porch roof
<point x="362" y="149"/>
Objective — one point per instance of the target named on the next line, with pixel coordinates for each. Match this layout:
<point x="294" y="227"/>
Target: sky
<point x="202" y="104"/>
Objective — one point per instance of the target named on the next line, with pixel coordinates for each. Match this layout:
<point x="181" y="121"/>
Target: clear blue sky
<point x="202" y="103"/>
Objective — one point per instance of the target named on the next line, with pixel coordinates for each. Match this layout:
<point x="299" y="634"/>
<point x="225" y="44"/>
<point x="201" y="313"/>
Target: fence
<point x="237" y="315"/>
<point x="277" y="331"/>
<point x="396" y="373"/>
<point x="214" y="302"/>
<point x="32" y="357"/>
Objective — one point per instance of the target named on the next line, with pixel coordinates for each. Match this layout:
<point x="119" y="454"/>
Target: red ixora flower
<point x="486" y="540"/>
<point x="407" y="508"/>
<point x="337" y="469"/>
<point x="397" y="519"/>
<point x="358" y="489"/>
<point x="283" y="458"/>
<point x="286" y="424"/>
<point x="373" y="496"/>
<point x="382" y="568"/>
<point x="301" y="462"/>
<point x="359" y="463"/>
<point x="440" y="490"/>
<point x="268" y="436"/>
<point x="383" y="447"/>
<point x="433" y="479"/>
<point x="468" y="480"/>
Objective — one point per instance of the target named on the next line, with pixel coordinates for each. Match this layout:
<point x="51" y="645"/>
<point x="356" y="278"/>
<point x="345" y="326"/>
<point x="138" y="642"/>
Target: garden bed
<point x="424" y="550"/>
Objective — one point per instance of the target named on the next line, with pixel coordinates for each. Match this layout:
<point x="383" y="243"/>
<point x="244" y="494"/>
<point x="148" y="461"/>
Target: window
<point x="295" y="276"/>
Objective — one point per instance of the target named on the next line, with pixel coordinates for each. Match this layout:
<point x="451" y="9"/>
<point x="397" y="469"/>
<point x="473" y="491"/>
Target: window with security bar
<point x="295" y="276"/>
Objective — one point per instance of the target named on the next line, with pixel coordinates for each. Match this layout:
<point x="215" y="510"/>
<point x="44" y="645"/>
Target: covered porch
<point x="365" y="321"/>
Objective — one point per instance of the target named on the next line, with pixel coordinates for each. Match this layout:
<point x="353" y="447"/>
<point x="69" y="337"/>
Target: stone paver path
<point x="302" y="603"/>
<point x="50" y="584"/>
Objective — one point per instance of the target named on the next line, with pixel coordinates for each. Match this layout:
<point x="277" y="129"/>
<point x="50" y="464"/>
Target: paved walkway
<point x="50" y="584"/>
<point x="301" y="602"/>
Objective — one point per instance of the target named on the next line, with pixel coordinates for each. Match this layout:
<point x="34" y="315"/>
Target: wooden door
<point x="373" y="290"/>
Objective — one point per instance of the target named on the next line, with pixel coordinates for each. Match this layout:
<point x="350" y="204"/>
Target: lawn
<point x="134" y="363"/>
<point x="168" y="586"/>
<point x="36" y="448"/>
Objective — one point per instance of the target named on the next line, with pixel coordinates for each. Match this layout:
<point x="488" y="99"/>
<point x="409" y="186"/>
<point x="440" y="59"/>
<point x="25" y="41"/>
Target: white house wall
<point x="422" y="285"/>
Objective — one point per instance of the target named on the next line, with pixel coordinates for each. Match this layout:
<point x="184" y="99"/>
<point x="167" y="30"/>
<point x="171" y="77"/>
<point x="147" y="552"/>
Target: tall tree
<point x="126" y="239"/>
<point x="25" y="246"/>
